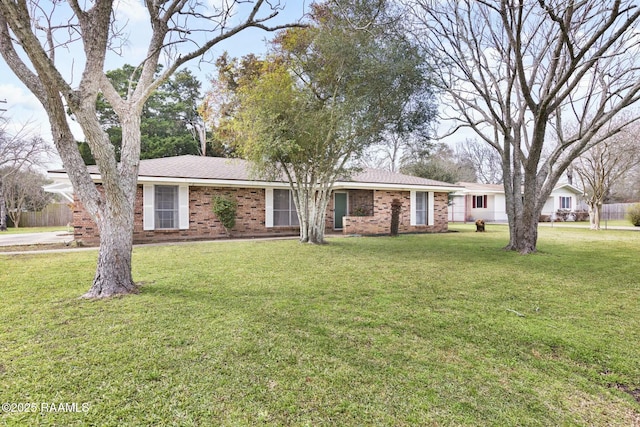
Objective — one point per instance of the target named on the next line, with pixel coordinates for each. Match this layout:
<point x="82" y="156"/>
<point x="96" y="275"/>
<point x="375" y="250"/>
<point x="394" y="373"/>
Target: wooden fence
<point x="54" y="215"/>
<point x="615" y="210"/>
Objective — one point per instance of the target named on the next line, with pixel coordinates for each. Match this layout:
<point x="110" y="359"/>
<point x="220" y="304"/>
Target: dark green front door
<point x="340" y="209"/>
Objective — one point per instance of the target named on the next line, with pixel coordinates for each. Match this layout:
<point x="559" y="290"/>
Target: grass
<point x="616" y="222"/>
<point x="23" y="230"/>
<point x="583" y="224"/>
<point x="416" y="330"/>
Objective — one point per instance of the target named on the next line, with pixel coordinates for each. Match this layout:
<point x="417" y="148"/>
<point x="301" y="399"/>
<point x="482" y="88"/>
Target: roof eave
<point x="338" y="185"/>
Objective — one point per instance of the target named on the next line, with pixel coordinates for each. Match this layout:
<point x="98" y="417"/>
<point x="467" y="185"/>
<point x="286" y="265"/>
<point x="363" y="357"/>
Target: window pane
<point x="284" y="209"/>
<point x="166" y="206"/>
<point x="281" y="199"/>
<point x="280" y="217"/>
<point x="420" y="202"/>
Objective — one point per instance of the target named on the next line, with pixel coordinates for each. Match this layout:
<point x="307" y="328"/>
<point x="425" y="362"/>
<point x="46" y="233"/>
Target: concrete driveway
<point x="35" y="238"/>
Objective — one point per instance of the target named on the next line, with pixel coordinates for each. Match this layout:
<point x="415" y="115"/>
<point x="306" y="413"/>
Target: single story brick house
<point x="174" y="202"/>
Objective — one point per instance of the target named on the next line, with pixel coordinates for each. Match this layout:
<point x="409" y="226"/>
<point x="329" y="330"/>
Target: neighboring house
<point x="175" y="194"/>
<point x="487" y="202"/>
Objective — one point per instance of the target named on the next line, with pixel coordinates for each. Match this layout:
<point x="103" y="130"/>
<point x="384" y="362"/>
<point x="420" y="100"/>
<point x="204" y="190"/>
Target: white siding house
<point x="487" y="202"/>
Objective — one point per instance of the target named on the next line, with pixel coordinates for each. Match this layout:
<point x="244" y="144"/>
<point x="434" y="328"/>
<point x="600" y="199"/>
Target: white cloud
<point x="19" y="97"/>
<point x="25" y="115"/>
<point x="130" y="10"/>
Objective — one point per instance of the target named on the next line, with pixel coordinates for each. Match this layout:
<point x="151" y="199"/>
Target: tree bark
<point x="312" y="205"/>
<point x="595" y="213"/>
<point x="113" y="273"/>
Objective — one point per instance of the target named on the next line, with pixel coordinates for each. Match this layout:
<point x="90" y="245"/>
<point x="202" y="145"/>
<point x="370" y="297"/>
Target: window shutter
<point x="183" y="207"/>
<point x="484" y="199"/>
<point x="268" y="207"/>
<point x="148" y="211"/>
<point x="412" y="216"/>
<point x="473" y="198"/>
<point x="431" y="208"/>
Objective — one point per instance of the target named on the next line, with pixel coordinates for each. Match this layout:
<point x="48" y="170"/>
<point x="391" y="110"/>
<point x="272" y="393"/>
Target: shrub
<point x="634" y="214"/>
<point x="563" y="215"/>
<point x="581" y="215"/>
<point x="225" y="209"/>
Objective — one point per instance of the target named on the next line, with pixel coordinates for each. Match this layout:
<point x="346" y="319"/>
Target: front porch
<point x="368" y="212"/>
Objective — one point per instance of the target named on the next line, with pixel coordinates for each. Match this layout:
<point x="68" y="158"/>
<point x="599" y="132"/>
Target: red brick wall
<point x="250" y="221"/>
<point x="356" y="199"/>
<point x="361" y="202"/>
<point x="380" y="222"/>
<point x="203" y="224"/>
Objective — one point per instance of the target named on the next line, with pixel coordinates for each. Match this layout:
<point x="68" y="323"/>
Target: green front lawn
<point x="24" y="230"/>
<point x="439" y="330"/>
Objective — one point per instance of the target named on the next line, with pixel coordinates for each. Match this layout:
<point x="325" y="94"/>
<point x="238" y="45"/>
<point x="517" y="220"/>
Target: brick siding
<point x="250" y="220"/>
<point x="380" y="222"/>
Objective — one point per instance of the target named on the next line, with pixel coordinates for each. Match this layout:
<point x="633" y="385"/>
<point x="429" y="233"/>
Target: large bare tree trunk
<point x="113" y="273"/>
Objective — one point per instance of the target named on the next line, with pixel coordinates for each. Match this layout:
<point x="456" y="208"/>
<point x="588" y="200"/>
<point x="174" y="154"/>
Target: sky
<point x="23" y="108"/>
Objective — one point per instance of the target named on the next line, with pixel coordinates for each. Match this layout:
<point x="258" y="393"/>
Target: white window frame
<point x="413" y="216"/>
<point x="564" y="199"/>
<point x="270" y="208"/>
<point x="171" y="192"/>
<point x="148" y="207"/>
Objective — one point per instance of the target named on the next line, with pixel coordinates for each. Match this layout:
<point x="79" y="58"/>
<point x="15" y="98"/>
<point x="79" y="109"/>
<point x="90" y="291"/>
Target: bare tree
<point x="604" y="164"/>
<point x="17" y="151"/>
<point x="514" y="71"/>
<point x="397" y="151"/>
<point x="22" y="191"/>
<point x="179" y="31"/>
<point x="485" y="160"/>
<point x="626" y="188"/>
<point x="442" y="164"/>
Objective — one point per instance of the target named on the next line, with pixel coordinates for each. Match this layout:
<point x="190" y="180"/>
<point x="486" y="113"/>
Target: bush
<point x="225" y="209"/>
<point x="563" y="215"/>
<point x="634" y="214"/>
<point x="581" y="215"/>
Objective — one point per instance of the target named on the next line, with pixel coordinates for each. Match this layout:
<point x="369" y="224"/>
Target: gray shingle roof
<point x="380" y="176"/>
<point x="217" y="168"/>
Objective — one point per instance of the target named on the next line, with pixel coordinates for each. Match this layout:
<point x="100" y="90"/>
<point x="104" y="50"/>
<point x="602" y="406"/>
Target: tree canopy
<point x="325" y="94"/>
<point x="170" y="121"/>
